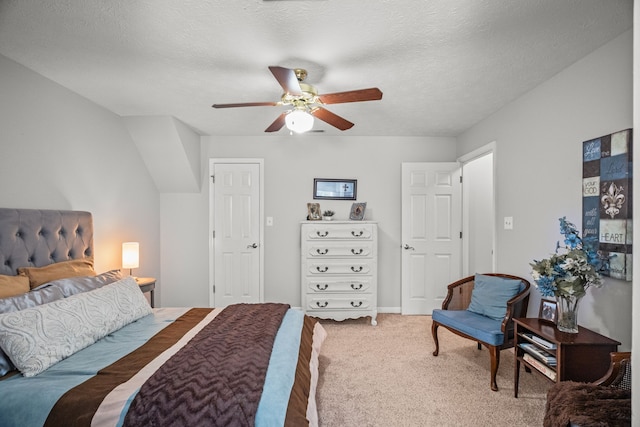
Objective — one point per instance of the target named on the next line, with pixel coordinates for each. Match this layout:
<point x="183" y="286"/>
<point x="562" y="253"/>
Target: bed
<point x="81" y="348"/>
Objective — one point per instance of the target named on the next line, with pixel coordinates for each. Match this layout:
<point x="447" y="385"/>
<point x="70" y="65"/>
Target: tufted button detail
<point x="18" y="234"/>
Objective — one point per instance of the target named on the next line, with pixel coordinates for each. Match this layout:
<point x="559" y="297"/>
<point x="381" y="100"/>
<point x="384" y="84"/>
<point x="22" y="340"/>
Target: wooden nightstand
<point x="147" y="284"/>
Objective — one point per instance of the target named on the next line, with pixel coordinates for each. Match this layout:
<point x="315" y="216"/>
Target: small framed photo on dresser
<point x="313" y="212"/>
<point x="357" y="211"/>
<point x="548" y="310"/>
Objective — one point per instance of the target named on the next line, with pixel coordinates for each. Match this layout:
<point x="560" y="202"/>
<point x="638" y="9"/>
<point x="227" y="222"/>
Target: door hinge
<point x="460" y="179"/>
<point x="461" y="234"/>
<point x="213" y="179"/>
<point x="214" y="234"/>
<point x="214" y="289"/>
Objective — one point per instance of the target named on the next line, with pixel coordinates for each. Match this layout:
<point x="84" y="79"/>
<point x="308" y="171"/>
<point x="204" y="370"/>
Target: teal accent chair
<point x="481" y="308"/>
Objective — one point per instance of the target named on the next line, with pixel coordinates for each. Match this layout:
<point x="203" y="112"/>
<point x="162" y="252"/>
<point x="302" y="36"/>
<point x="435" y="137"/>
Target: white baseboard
<point x="396" y="310"/>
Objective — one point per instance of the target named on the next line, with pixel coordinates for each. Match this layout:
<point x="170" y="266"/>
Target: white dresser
<point x="339" y="269"/>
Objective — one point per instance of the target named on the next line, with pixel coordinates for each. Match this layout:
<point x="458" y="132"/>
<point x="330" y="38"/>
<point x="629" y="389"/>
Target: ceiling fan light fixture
<point x="299" y="121"/>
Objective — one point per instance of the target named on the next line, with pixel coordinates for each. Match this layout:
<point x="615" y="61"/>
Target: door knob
<point x="254" y="245"/>
<point x="407" y="247"/>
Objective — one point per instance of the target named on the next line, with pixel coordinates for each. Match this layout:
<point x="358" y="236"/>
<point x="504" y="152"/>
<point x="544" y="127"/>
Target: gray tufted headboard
<point x="35" y="238"/>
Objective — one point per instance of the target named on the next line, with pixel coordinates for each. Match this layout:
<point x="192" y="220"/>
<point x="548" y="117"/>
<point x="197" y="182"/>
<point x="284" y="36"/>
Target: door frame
<point x="212" y="163"/>
<point x="489" y="148"/>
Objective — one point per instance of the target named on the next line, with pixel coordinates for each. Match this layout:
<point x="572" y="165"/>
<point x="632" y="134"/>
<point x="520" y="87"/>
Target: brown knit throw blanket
<point x="587" y="405"/>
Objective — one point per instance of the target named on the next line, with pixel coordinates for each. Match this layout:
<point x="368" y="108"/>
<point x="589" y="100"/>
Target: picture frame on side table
<point x="548" y="310"/>
<point x="357" y="211"/>
<point x="313" y="212"/>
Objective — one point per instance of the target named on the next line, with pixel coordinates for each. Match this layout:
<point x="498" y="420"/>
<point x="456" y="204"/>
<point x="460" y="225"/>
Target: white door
<point x="236" y="233"/>
<point x="478" y="215"/>
<point x="431" y="227"/>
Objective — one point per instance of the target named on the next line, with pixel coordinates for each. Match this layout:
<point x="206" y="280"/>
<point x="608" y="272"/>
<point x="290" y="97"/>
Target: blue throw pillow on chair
<point x="490" y="295"/>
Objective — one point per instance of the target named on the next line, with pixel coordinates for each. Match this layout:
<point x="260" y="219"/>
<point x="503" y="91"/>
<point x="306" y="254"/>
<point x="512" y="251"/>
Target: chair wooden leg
<point x="434" y="333"/>
<point x="495" y="362"/>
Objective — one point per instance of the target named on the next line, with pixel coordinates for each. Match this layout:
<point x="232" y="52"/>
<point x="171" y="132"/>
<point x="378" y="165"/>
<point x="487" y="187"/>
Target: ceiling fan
<point x="306" y="102"/>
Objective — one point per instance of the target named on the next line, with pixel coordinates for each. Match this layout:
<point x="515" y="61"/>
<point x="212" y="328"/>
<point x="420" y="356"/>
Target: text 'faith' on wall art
<point x="606" y="201"/>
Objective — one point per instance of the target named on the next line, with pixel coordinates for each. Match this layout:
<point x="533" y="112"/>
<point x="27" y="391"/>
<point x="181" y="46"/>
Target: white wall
<point x="291" y="163"/>
<point x="539" y="169"/>
<point x="61" y="151"/>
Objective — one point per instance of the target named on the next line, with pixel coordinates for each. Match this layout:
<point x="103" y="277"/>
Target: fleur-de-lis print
<point x="612" y="200"/>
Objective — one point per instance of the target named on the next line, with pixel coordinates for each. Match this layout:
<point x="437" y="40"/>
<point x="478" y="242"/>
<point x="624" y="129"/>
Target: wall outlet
<point x="508" y="223"/>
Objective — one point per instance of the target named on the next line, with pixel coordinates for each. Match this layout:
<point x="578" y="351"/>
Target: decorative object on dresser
<point x="328" y="215"/>
<point x="480" y="308"/>
<point x="357" y="211"/>
<point x="339" y="269"/>
<point x="313" y="212"/>
<point x="560" y="356"/>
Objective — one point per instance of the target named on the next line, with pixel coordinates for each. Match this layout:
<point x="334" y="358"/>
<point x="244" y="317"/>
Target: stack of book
<point x="547" y="358"/>
<point x="550" y="373"/>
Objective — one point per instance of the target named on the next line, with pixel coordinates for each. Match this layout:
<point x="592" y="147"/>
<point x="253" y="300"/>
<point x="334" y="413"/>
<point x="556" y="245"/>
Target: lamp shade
<point x="130" y="255"/>
<point x="299" y="121"/>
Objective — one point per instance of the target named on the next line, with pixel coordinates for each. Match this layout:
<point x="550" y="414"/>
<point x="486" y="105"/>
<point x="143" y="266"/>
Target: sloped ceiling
<point x="443" y="65"/>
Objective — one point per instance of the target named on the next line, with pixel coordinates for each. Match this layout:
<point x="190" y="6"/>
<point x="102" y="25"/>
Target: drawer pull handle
<point x="322" y="287"/>
<point x="322" y="269"/>
<point x="356" y="270"/>
<point x="322" y="233"/>
<point x="356" y="252"/>
<point x="356" y="287"/>
<point x="322" y="251"/>
<point x="322" y="304"/>
<point x="358" y="234"/>
<point x="353" y="304"/>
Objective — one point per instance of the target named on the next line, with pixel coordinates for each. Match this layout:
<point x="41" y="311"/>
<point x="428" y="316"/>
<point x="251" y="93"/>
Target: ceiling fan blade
<point x="331" y="118"/>
<point x="277" y="123"/>
<point x="287" y="79"/>
<point x="245" y="104"/>
<point x="371" y="94"/>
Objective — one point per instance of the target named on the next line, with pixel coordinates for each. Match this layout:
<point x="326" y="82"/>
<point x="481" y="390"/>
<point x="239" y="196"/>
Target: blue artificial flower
<point x="571" y="269"/>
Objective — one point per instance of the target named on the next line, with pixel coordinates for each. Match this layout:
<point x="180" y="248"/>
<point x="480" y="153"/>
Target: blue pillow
<point x="491" y="293"/>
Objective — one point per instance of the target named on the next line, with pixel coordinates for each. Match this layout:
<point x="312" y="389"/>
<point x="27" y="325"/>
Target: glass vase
<point x="567" y="313"/>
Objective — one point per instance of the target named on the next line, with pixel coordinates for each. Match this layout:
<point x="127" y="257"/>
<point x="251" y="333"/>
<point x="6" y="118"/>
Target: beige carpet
<point x="386" y="375"/>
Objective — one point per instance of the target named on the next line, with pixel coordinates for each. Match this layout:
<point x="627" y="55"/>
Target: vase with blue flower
<point x="567" y="274"/>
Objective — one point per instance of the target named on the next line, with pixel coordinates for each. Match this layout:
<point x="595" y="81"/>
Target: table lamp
<point x="130" y="255"/>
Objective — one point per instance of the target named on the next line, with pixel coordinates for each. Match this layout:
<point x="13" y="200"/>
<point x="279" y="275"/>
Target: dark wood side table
<point x="579" y="357"/>
<point x="147" y="284"/>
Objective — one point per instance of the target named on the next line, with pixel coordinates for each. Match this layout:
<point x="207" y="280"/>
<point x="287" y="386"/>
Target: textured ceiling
<point x="443" y="65"/>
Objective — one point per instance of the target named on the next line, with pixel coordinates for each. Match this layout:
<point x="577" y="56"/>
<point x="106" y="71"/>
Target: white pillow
<point x="37" y="338"/>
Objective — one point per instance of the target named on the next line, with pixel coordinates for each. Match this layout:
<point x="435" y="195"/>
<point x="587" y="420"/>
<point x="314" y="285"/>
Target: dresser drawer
<point x="333" y="249"/>
<point x="335" y="302"/>
<point x="327" y="232"/>
<point x="338" y="285"/>
<point x="329" y="267"/>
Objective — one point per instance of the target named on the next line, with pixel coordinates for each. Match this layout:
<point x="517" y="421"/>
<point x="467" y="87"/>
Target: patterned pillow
<point x="37" y="338"/>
